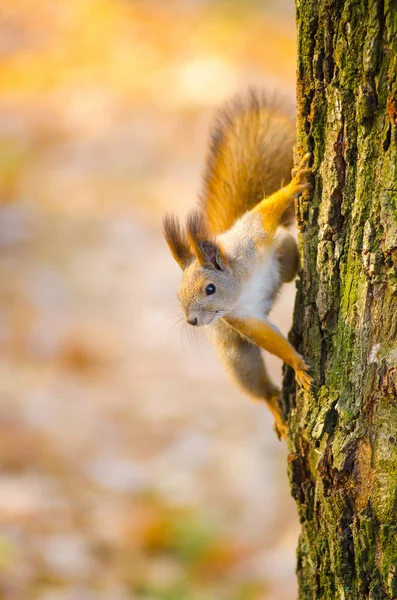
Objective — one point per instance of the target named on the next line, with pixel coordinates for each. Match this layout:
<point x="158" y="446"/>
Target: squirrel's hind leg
<point x="287" y="255"/>
<point x="244" y="363"/>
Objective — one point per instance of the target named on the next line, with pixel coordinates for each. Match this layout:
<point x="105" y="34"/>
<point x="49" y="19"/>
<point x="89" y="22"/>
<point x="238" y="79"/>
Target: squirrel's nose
<point x="192" y="321"/>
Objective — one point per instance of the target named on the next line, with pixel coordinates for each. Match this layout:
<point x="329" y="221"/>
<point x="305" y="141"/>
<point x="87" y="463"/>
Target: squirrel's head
<point x="209" y="286"/>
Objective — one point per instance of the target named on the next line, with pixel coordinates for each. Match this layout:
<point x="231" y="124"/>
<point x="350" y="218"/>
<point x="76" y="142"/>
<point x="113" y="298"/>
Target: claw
<point x="304" y="186"/>
<point x="300" y="175"/>
<point x="281" y="429"/>
<point x="302" y="376"/>
<point x="304" y="380"/>
<point x="273" y="403"/>
<point x="305" y="160"/>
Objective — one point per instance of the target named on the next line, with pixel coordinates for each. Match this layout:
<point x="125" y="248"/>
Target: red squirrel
<point x="234" y="250"/>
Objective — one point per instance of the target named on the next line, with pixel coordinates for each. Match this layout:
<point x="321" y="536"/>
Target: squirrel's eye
<point x="210" y="289"/>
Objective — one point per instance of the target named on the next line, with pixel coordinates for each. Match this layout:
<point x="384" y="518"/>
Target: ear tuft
<point x="197" y="232"/>
<point x="177" y="240"/>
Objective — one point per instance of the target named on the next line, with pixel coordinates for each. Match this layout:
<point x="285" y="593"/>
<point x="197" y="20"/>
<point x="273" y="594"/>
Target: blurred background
<point x="130" y="467"/>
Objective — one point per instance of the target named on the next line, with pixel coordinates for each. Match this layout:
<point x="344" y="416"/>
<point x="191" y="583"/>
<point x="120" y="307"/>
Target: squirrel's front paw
<point x="301" y="174"/>
<point x="302" y="376"/>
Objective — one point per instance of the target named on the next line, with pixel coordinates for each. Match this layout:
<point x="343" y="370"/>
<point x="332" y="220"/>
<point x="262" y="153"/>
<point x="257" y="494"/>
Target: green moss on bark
<point x="343" y="435"/>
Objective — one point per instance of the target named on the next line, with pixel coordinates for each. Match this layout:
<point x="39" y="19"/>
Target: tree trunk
<point x="343" y="434"/>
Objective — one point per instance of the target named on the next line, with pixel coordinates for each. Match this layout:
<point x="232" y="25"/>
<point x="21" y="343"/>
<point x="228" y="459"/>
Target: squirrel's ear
<point x="207" y="252"/>
<point x="213" y="255"/>
<point x="177" y="241"/>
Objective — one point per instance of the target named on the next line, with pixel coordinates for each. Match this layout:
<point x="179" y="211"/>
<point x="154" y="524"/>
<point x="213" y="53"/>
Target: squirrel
<point x="235" y="251"/>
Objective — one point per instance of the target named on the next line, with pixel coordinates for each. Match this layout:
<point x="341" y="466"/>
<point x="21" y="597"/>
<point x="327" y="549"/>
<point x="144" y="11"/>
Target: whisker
<point x="188" y="329"/>
<point x="174" y="316"/>
<point x="194" y="338"/>
<point x="183" y="336"/>
<point x="178" y="322"/>
<point x="191" y="337"/>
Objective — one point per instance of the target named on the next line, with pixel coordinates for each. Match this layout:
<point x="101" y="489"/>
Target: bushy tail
<point x="250" y="157"/>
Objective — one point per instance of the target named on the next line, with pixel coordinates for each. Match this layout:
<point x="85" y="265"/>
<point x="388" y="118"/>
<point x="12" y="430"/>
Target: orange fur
<point x="249" y="157"/>
<point x="272" y="209"/>
<point x="269" y="338"/>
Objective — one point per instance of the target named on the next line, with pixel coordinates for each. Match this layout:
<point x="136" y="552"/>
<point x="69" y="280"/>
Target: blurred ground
<point x="130" y="466"/>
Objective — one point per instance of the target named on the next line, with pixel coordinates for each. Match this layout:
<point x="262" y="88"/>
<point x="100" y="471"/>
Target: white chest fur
<point x="258" y="290"/>
<point x="258" y="268"/>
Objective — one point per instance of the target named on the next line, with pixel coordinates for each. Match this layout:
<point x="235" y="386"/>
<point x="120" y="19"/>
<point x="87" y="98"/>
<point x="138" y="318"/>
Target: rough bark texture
<point x="343" y="435"/>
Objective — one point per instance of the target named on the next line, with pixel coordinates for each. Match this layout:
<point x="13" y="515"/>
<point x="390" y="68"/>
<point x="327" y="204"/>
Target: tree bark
<point x="343" y="434"/>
